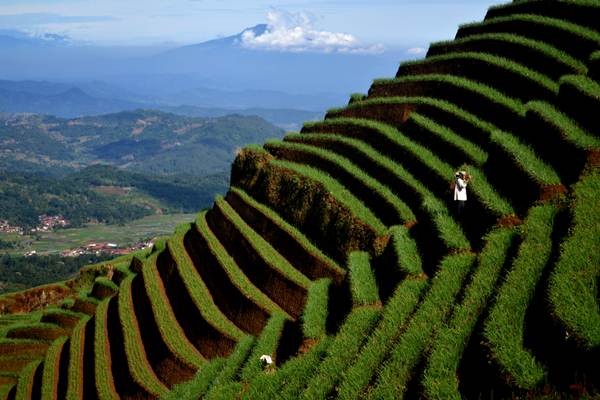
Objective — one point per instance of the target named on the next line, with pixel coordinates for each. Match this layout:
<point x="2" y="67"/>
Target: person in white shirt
<point x="460" y="190"/>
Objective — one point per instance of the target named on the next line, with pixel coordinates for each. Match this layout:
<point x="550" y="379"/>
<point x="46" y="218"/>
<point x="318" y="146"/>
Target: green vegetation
<point x="262" y="248"/>
<point x="519" y="71"/>
<point x="440" y="380"/>
<point x="196" y="287"/>
<point x="232" y="270"/>
<point x="396" y="313"/>
<point x="139" y="366"/>
<point x="362" y="280"/>
<point x="343" y="195"/>
<point x="405" y="249"/>
<point x="573" y="283"/>
<point x="396" y="372"/>
<point x="266" y="344"/>
<point x="197" y="387"/>
<point x="75" y="390"/>
<point x="450" y="232"/>
<point x="314" y="318"/>
<point x="170" y="331"/>
<point x="105" y="385"/>
<point x="545" y="51"/>
<point x="341" y="352"/>
<point x="416" y="300"/>
<point x="51" y="369"/>
<point x="505" y="324"/>
<point x="487" y="93"/>
<point x="19" y="272"/>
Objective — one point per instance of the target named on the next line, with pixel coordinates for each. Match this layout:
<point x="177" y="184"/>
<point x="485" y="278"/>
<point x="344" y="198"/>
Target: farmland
<point x="339" y="251"/>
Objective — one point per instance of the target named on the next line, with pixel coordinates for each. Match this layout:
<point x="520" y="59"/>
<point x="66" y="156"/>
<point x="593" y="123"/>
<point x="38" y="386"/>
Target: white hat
<point x="266" y="359"/>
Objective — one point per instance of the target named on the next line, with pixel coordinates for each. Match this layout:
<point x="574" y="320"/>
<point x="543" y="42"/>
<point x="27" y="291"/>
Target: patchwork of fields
<point x="339" y="251"/>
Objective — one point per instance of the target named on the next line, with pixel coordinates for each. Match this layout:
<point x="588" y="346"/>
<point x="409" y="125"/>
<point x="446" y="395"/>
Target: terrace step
<point x="79" y="376"/>
<point x="483" y="101"/>
<point x="579" y="98"/>
<point x="29" y="384"/>
<point x="440" y="379"/>
<point x="54" y="371"/>
<point x="387" y="207"/>
<point x="557" y="138"/>
<point x="509" y="77"/>
<point x="264" y="266"/>
<point x="140" y="364"/>
<point x="38" y="331"/>
<point x="573" y="39"/>
<point x="434" y="221"/>
<point x="285" y="238"/>
<point x="398" y="370"/>
<point x="539" y="56"/>
<point x="582" y="12"/>
<point x="504" y="326"/>
<point x="297" y="192"/>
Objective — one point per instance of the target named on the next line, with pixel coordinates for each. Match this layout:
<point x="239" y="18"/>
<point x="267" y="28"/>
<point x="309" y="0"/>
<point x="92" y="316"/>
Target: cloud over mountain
<point x="295" y="32"/>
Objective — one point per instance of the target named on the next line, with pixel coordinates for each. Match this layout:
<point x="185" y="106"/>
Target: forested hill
<point x="146" y="141"/>
<point x="102" y="193"/>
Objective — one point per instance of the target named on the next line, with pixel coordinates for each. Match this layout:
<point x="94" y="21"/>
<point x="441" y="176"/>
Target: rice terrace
<point x="339" y="251"/>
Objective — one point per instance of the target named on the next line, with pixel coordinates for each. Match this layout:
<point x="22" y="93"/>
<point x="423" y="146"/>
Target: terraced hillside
<point x="339" y="252"/>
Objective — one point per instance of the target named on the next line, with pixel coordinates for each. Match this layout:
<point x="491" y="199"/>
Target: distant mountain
<point x="56" y="99"/>
<point x="236" y="67"/>
<point x="151" y="142"/>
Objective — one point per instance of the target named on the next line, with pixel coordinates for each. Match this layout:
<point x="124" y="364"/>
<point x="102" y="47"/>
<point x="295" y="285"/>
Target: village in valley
<point x="49" y="223"/>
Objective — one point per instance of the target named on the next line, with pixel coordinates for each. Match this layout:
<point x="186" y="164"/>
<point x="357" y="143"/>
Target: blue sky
<point x="145" y="22"/>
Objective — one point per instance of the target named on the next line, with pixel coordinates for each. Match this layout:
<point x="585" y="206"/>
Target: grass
<point x="449" y="231"/>
<point x="406" y="251"/>
<point x="171" y="332"/>
<point x="439" y="379"/>
<point x="396" y="372"/>
<point x="263" y="249"/>
<point x="314" y="317"/>
<point x="504" y="327"/>
<point x="525" y="158"/>
<point x="519" y="70"/>
<point x="342" y="351"/>
<point x="267" y="343"/>
<point x="289" y="229"/>
<point x="26" y="381"/>
<point x="197" y="387"/>
<point x="139" y="365"/>
<point x="588" y="87"/>
<point x="358" y="374"/>
<point x="289" y="380"/>
<point x="567" y="127"/>
<point x="482" y="190"/>
<point x="363" y="285"/>
<point x="232" y="366"/>
<point x="294" y="143"/>
<point x="573" y="284"/>
<point x="105" y="386"/>
<point x="41" y="331"/>
<point x="51" y="369"/>
<point x="534" y="46"/>
<point x="23" y="347"/>
<point x="196" y="287"/>
<point x="488" y="93"/>
<point x="337" y="190"/>
<point x="543" y="25"/>
<point x="76" y="364"/>
<point x="237" y="277"/>
<point x="471" y="151"/>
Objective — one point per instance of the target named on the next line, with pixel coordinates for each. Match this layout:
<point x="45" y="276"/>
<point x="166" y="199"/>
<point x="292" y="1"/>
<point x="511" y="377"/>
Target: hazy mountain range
<point x="52" y="75"/>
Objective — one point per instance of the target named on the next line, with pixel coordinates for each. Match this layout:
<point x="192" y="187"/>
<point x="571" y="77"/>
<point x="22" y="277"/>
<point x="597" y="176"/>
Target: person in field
<point x="461" y="179"/>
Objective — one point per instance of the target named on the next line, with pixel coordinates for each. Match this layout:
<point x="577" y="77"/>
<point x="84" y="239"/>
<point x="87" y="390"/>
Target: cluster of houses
<point x="5" y="227"/>
<point x="49" y="222"/>
<point x="46" y="224"/>
<point x="105" y="248"/>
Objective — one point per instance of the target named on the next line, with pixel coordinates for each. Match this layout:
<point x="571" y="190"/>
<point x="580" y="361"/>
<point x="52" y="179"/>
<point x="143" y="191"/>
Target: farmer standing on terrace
<point x="461" y="178"/>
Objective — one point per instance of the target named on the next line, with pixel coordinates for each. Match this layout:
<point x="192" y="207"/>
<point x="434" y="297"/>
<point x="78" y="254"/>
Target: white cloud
<point x="295" y="32"/>
<point x="416" y="51"/>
